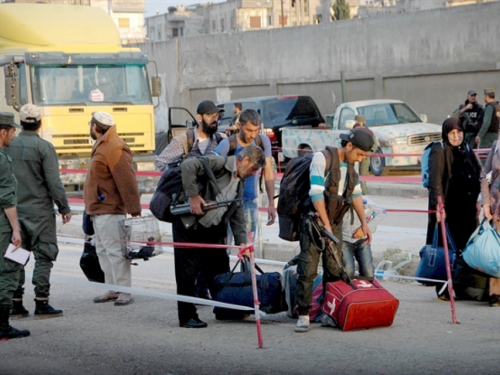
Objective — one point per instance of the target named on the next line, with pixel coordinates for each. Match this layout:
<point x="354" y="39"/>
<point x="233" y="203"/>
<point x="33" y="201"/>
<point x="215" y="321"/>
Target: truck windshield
<point x="388" y="114"/>
<point x="90" y="85"/>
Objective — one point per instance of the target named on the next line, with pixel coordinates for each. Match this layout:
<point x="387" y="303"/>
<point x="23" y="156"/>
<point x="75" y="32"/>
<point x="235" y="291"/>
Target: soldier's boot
<point x="44" y="311"/>
<point x="18" y="311"/>
<point x="6" y="331"/>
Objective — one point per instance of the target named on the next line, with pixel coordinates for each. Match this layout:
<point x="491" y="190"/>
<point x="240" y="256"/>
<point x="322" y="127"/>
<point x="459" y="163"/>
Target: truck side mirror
<point x="155" y="86"/>
<point x="423" y="118"/>
<point x="11" y="85"/>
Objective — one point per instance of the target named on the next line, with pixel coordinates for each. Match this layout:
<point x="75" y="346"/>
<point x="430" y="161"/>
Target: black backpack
<point x="294" y="197"/>
<point x="170" y="190"/>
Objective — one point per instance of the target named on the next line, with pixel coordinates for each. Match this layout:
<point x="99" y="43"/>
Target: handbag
<point x="236" y="288"/>
<point x="483" y="250"/>
<point x="89" y="263"/>
<point x="432" y="260"/>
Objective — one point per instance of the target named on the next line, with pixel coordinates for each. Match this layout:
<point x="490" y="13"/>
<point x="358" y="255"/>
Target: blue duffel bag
<point x="236" y="288"/>
<point x="483" y="250"/>
<point x="432" y="260"/>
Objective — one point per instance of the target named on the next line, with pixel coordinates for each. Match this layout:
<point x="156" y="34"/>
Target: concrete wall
<point x="428" y="59"/>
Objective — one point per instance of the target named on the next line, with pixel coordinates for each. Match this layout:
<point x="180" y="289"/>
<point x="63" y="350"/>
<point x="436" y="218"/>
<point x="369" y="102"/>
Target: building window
<point x="305" y="7"/>
<point x="175" y="32"/>
<point x="283" y="20"/>
<point x="214" y="26"/>
<point x="181" y="31"/>
<point x="293" y="4"/>
<point x="233" y="23"/>
<point x="222" y="25"/>
<point x="123" y="23"/>
<point x="255" y="23"/>
<point x="159" y="34"/>
<point x="269" y="20"/>
<point x="152" y="33"/>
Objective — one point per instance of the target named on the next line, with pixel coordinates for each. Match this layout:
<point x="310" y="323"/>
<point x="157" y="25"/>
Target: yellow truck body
<point x="68" y="60"/>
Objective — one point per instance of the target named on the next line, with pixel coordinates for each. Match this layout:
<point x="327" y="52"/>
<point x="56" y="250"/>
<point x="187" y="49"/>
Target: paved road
<point x="144" y="338"/>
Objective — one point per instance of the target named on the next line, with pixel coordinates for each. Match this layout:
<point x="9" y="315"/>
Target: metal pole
<point x="256" y="302"/>
<point x="447" y="260"/>
<point x="342" y="87"/>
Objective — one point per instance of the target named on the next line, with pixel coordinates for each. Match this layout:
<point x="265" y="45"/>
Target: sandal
<point x="108" y="297"/>
<point x="124" y="299"/>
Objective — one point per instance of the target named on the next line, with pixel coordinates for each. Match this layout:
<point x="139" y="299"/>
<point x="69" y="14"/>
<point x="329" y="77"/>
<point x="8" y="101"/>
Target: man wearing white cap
<point x="110" y="193"/>
<point x="35" y="165"/>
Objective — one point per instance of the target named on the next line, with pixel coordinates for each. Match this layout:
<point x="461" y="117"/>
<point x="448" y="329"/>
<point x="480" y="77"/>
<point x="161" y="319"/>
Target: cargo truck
<point x="68" y="60"/>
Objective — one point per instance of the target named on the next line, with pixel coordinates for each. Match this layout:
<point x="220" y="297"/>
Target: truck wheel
<point x="377" y="165"/>
<point x="305" y="151"/>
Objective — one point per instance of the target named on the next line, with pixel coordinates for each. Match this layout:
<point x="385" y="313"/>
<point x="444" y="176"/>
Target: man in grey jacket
<point x="210" y="227"/>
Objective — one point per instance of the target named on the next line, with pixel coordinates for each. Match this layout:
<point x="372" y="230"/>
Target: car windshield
<point x="90" y="84"/>
<point x="388" y="114"/>
<point x="287" y="109"/>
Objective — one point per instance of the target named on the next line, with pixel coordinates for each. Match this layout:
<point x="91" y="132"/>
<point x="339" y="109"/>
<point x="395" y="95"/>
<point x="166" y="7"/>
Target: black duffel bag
<point x="236" y="288"/>
<point x="89" y="263"/>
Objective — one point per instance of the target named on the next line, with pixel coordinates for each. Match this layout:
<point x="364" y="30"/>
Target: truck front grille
<point x="423" y="139"/>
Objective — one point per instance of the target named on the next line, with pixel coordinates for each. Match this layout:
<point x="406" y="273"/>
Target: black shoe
<point x="44" y="311"/>
<point x="494" y="300"/>
<point x="12" y="333"/>
<point x="18" y="311"/>
<point x="193" y="323"/>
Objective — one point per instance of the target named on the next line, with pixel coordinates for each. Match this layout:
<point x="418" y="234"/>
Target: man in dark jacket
<point x="36" y="168"/>
<point x="470" y="113"/>
<point x="491" y="118"/>
<point x="210" y="227"/>
<point x="110" y="193"/>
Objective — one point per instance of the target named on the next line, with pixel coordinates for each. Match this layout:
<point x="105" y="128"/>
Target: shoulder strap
<point x="218" y="137"/>
<point x="233" y="143"/>
<point x="210" y="173"/>
<point x="187" y="142"/>
<point x="258" y="141"/>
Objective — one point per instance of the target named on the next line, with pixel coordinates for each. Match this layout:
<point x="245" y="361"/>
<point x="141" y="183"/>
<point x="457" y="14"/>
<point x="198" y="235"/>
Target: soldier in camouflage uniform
<point x="9" y="229"/>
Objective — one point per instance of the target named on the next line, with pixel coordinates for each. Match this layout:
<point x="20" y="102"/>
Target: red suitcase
<point x="362" y="305"/>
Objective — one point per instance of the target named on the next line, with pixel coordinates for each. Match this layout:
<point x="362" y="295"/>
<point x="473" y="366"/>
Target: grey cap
<point x="360" y="118"/>
<point x="489" y="92"/>
<point x="7" y="119"/>
<point x="471" y="92"/>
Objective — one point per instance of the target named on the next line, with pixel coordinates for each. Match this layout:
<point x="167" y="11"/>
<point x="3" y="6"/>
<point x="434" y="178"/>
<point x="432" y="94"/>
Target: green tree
<point x="341" y="10"/>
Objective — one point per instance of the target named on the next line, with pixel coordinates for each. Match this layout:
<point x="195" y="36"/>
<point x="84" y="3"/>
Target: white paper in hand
<point x="20" y="256"/>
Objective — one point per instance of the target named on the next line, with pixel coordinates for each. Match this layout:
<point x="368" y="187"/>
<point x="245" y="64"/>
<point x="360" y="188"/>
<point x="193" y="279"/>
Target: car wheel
<point x="377" y="165"/>
<point x="305" y="151"/>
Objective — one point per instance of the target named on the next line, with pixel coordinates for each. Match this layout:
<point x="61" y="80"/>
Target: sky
<point x="162" y="5"/>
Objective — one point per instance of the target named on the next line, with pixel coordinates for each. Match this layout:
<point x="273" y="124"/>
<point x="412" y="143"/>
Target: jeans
<point x="251" y="215"/>
<point x="251" y="218"/>
<point x="363" y="254"/>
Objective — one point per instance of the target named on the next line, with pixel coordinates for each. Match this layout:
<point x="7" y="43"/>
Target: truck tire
<point x="377" y="165"/>
<point x="304" y="151"/>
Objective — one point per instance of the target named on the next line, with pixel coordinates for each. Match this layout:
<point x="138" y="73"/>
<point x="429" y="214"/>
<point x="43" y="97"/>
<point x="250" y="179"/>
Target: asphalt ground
<point x="144" y="337"/>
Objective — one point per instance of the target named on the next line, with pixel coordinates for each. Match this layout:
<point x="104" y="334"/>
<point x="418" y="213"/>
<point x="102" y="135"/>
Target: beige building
<point x="178" y="22"/>
<point x="127" y="14"/>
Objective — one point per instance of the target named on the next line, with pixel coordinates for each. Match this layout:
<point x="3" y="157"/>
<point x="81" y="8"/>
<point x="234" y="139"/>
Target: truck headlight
<point x="395" y="141"/>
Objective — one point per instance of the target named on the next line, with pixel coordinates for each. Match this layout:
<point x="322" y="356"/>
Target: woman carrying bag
<point x="490" y="181"/>
<point x="454" y="173"/>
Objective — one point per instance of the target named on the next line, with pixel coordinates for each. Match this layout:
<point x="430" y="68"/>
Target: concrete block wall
<point x="428" y="59"/>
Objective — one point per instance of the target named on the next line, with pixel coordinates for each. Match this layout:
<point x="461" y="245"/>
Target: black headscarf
<point x="460" y="160"/>
<point x="450" y="124"/>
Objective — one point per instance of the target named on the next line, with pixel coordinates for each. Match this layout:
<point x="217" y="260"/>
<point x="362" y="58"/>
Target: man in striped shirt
<point x="330" y="190"/>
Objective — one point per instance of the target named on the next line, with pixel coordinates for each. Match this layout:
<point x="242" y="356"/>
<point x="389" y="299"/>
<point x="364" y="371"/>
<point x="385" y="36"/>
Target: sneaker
<point x="327" y="321"/>
<point x="302" y="324"/>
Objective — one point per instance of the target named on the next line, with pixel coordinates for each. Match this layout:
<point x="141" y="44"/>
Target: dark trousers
<point x="190" y="261"/>
<point x="307" y="266"/>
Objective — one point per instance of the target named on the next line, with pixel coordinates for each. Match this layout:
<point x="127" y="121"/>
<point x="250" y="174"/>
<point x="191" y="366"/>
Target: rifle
<point x="185" y="208"/>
